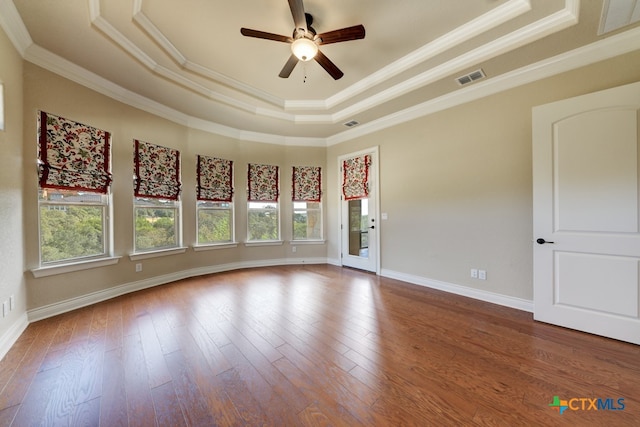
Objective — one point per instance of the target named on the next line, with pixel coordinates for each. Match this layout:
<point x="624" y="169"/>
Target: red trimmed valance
<point x="215" y="179"/>
<point x="306" y="183"/>
<point x="263" y="183"/>
<point x="355" y="177"/>
<point x="156" y="170"/>
<point x="73" y="156"/>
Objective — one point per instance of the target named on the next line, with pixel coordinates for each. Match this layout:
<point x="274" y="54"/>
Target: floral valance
<point x="306" y="182"/>
<point x="73" y="156"/>
<point x="156" y="170"/>
<point x="355" y="177"/>
<point x="215" y="179"/>
<point x="263" y="183"/>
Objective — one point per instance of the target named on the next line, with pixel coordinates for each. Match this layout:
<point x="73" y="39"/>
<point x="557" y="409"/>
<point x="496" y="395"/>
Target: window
<point x="215" y="222"/>
<point x="307" y="221"/>
<point x="214" y="203"/>
<point x="73" y="225"/>
<point x="307" y="208"/>
<point x="157" y="224"/>
<point x="263" y="208"/>
<point x="156" y="197"/>
<point x="74" y="174"/>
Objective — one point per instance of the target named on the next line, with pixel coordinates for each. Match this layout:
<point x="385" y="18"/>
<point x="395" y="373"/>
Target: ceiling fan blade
<point x="264" y="35"/>
<point x="297" y="11"/>
<point x="350" y="33"/>
<point x="329" y="66"/>
<point x="288" y="67"/>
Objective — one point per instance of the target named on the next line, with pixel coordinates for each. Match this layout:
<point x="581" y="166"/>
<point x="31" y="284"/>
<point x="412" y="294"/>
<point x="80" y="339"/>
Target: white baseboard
<point x="504" y="300"/>
<point x="9" y="338"/>
<point x="99" y="296"/>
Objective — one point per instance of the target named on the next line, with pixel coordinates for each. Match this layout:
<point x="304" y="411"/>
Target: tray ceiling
<point x="187" y="60"/>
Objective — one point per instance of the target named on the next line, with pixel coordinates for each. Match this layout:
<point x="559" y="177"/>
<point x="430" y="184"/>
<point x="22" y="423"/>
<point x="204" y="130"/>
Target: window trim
<point x="87" y="264"/>
<point x="231" y="210"/>
<point x="178" y="226"/>
<point x="157" y="253"/>
<point x="107" y="233"/>
<point x="293" y="223"/>
<point x="213" y="246"/>
<point x="278" y="209"/>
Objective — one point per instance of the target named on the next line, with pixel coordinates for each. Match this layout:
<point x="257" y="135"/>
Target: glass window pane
<point x="68" y="232"/>
<point x="155" y="228"/>
<point x="307" y="225"/>
<point x="214" y="226"/>
<point x="359" y="228"/>
<point x="263" y="224"/>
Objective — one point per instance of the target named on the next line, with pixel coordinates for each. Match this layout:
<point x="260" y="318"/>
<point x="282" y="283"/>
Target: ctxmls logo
<point x="587" y="404"/>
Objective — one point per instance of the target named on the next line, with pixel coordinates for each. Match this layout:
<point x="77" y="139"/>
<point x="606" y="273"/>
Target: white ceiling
<point x="187" y="60"/>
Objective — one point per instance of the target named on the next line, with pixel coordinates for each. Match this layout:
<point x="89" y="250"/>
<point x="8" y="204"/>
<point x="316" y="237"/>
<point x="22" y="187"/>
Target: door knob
<point x="541" y="241"/>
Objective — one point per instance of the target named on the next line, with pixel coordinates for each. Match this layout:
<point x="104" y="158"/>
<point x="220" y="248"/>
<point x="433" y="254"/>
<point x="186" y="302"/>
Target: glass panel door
<point x="359" y="240"/>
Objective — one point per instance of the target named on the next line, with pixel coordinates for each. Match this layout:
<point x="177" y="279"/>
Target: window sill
<point x="52" y="270"/>
<point x="213" y="246"/>
<point x="307" y="242"/>
<point x="155" y="254"/>
<point x="264" y="243"/>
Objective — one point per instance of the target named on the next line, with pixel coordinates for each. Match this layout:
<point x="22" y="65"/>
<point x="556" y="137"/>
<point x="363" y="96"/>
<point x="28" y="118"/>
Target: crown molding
<point x="58" y="65"/>
<point x="460" y="35"/>
<point x="528" y="34"/>
<point x="128" y="46"/>
<point x="486" y="22"/>
<point x="14" y="28"/>
<point x="604" y="49"/>
<point x="608" y="48"/>
<point x="165" y="44"/>
<point x="497" y="16"/>
<point x="620" y="44"/>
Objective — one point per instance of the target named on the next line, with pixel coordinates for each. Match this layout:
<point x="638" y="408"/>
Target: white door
<point x="585" y="206"/>
<point x="359" y="227"/>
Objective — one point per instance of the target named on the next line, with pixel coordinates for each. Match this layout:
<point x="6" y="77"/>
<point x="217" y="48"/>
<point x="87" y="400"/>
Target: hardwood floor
<point x="310" y="345"/>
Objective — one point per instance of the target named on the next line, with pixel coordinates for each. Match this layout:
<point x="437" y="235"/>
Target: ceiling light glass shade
<point x="304" y="49"/>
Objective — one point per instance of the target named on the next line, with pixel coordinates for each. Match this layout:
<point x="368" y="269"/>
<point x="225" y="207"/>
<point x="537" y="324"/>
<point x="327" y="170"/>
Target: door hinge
<point x="341" y="255"/>
<point x="341" y="227"/>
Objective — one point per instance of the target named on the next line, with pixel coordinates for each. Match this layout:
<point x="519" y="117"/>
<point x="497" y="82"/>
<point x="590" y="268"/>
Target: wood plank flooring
<point x="310" y="346"/>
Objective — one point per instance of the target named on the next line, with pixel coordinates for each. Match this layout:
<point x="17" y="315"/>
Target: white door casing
<point x="586" y="201"/>
<point x="369" y="260"/>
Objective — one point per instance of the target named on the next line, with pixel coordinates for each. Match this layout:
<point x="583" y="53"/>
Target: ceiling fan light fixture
<point x="304" y="49"/>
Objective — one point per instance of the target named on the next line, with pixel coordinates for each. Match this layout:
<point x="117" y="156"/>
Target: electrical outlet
<point x="293" y="249"/>
<point x="482" y="274"/>
<point x="474" y="273"/>
<point x="138" y="267"/>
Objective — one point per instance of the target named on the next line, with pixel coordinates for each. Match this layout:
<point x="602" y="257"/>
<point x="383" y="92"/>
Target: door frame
<point x="375" y="188"/>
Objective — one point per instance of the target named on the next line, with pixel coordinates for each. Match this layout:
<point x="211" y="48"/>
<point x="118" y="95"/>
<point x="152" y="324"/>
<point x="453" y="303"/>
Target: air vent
<point x="351" y="123"/>
<point x="471" y="77"/>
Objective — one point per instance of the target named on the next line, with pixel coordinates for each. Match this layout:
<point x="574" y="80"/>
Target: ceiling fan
<point x="305" y="41"/>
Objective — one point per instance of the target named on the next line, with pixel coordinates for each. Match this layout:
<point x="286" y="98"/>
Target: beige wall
<point x="49" y="92"/>
<point x="11" y="190"/>
<point x="457" y="185"/>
